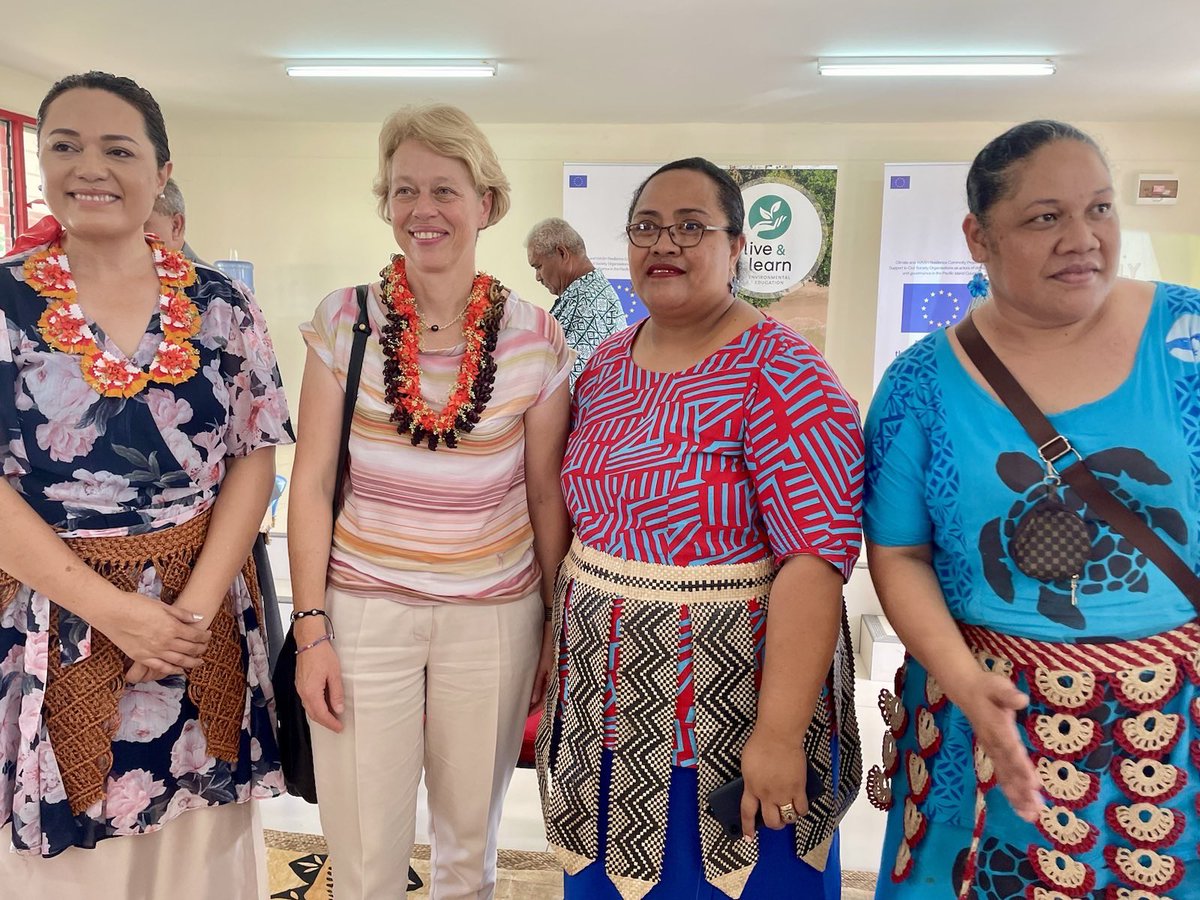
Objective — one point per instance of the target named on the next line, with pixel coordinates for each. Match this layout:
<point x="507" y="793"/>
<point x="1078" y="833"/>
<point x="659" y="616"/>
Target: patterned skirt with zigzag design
<point x="638" y="675"/>
<point x="1114" y="731"/>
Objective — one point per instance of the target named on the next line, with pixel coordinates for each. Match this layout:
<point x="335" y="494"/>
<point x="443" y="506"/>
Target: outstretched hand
<point x="991" y="704"/>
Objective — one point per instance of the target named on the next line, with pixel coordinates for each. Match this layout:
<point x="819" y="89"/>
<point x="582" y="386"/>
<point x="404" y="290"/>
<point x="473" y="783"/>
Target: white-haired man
<point x="168" y="220"/>
<point x="587" y="307"/>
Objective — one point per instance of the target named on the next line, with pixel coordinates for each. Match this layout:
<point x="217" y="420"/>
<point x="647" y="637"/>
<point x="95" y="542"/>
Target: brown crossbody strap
<point x="1052" y="447"/>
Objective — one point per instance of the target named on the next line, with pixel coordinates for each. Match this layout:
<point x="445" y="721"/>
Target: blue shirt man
<point x="587" y="307"/>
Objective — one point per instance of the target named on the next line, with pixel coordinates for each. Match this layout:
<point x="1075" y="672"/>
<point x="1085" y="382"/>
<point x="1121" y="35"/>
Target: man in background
<point x="587" y="307"/>
<point x="169" y="221"/>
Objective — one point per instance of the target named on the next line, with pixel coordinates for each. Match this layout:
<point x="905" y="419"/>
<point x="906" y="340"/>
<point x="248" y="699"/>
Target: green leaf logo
<point x="769" y="217"/>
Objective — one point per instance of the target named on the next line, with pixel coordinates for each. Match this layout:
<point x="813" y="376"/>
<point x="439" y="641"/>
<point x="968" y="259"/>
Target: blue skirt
<point x="778" y="874"/>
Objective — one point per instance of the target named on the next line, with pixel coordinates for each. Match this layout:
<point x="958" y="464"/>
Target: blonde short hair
<point x="449" y="132"/>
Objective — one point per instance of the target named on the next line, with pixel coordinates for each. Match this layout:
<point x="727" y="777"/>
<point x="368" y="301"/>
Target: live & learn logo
<point x="769" y="217"/>
<point x="785" y="237"/>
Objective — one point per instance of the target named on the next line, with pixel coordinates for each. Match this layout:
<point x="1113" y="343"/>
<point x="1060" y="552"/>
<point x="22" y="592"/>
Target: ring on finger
<point x="788" y="813"/>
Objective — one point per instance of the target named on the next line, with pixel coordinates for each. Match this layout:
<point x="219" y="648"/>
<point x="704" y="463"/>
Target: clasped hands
<point x="162" y="640"/>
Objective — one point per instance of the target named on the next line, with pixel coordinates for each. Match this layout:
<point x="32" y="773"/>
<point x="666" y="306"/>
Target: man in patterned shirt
<point x="587" y="307"/>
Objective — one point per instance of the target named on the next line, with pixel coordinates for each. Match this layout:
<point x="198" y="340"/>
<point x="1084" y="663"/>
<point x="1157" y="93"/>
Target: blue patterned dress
<point x="94" y="466"/>
<point x="1119" y="758"/>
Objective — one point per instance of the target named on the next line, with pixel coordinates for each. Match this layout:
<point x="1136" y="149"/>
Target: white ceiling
<point x="629" y="61"/>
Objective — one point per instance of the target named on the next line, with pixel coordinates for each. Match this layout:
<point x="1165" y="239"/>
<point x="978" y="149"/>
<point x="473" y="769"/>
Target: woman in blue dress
<point x="1042" y="742"/>
<point x="135" y="721"/>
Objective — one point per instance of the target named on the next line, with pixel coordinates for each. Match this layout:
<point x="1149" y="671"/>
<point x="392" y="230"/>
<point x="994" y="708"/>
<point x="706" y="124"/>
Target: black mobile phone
<point x="725" y="802"/>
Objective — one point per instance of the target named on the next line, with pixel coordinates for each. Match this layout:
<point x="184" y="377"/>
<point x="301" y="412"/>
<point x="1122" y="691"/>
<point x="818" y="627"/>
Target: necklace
<point x="437" y="328"/>
<point x="63" y="326"/>
<point x="402" y="370"/>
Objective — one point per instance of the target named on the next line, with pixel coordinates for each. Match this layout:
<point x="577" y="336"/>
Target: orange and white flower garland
<point x="402" y="370"/>
<point x="64" y="327"/>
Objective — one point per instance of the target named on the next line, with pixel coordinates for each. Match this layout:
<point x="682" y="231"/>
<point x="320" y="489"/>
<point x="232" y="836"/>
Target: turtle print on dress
<point x="1114" y="563"/>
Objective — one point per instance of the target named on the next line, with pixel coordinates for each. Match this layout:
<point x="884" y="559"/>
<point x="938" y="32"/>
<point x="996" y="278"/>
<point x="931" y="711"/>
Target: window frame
<point x="16" y="127"/>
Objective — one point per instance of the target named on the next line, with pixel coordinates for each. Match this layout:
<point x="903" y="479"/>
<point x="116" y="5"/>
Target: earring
<point x="162" y="196"/>
<point x="978" y="288"/>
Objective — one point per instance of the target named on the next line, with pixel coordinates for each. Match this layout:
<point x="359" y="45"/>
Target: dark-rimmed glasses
<point x="682" y="234"/>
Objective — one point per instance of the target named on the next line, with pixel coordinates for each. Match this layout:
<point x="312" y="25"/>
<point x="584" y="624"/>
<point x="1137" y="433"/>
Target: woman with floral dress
<point x="137" y="461"/>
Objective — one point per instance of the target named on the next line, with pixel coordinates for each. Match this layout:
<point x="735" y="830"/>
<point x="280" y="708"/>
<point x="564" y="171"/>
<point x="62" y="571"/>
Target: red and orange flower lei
<point x="63" y="326"/>
<point x="401" y="342"/>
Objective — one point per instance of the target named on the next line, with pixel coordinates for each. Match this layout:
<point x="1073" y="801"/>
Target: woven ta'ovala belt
<point x="82" y="698"/>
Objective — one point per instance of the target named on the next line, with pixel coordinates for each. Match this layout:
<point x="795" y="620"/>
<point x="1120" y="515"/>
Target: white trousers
<point x="443" y="688"/>
<point x="208" y="853"/>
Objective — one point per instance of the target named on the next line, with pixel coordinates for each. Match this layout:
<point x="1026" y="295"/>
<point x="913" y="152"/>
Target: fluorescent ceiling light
<point x="391" y="68"/>
<point x="934" y="66"/>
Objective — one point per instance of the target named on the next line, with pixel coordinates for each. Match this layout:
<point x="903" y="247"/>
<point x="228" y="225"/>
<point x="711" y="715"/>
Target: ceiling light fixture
<point x="391" y="68"/>
<point x="934" y="66"/>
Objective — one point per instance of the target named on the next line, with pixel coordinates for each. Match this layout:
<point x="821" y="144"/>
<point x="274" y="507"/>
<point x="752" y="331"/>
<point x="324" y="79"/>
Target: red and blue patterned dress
<point x="748" y="458"/>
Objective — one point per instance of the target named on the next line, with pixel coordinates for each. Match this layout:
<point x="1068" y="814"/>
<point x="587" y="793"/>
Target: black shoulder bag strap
<point x="362" y="328"/>
<point x="1052" y="447"/>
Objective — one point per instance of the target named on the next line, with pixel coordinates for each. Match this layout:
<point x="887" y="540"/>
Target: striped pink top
<point x="421" y="526"/>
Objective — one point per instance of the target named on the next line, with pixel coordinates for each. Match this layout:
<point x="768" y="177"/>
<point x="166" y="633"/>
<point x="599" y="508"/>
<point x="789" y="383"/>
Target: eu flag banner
<point x="928" y="307"/>
<point x="576" y="181"/>
<point x="630" y="302"/>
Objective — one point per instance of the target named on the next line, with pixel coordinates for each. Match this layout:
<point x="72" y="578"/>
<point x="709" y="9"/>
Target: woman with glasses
<point x="713" y="473"/>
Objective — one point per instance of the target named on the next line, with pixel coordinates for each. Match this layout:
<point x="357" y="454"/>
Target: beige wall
<point x="295" y="199"/>
<point x="21" y="93"/>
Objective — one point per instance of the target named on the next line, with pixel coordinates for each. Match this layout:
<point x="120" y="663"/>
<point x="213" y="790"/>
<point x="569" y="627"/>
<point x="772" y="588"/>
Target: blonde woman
<point x="439" y="574"/>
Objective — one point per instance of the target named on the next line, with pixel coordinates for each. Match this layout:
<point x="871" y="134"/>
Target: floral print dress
<point x="93" y="466"/>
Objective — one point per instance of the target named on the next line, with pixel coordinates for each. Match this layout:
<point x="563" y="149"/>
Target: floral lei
<point x="401" y="367"/>
<point x="63" y="326"/>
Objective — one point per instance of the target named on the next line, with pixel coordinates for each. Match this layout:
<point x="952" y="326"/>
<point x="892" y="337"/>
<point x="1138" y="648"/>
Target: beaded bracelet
<point x="322" y="639"/>
<point x="301" y="613"/>
<point x="548" y="612"/>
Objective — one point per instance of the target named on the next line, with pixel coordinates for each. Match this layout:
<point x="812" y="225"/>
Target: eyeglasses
<point x="682" y="234"/>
